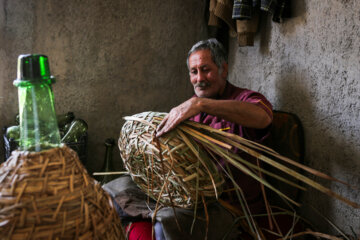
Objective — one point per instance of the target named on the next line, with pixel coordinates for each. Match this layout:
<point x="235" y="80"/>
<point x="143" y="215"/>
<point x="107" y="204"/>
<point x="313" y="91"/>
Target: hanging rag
<point x="246" y="13"/>
<point x="246" y="30"/>
<point x="222" y="10"/>
<point x="244" y="9"/>
<point x="242" y="16"/>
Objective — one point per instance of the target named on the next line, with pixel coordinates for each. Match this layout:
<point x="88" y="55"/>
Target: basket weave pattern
<point x="49" y="195"/>
<point x="177" y="176"/>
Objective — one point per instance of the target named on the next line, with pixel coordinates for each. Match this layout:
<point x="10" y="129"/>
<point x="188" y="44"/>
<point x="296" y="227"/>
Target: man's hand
<point x="178" y="114"/>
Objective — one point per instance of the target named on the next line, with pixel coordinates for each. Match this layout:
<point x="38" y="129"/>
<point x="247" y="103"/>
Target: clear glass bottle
<point x="38" y="124"/>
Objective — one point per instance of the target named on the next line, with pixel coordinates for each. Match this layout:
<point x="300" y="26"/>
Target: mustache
<point x="202" y="84"/>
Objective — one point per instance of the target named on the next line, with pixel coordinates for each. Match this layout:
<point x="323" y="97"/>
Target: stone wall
<point x="309" y="65"/>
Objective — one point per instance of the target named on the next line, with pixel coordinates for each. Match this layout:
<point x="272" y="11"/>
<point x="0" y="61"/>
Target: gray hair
<point x="217" y="50"/>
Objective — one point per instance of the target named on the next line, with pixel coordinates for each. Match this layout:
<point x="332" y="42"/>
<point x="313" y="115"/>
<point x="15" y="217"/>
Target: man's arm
<point x="242" y="113"/>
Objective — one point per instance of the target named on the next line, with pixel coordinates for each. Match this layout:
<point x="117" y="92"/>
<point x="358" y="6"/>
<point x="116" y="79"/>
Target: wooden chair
<point x="287" y="138"/>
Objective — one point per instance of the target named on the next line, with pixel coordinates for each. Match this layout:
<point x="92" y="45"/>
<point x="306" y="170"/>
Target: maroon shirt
<point x="250" y="187"/>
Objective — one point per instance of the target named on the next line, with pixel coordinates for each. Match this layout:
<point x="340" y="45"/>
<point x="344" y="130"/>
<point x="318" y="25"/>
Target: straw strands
<point x="49" y="195"/>
<point x="177" y="168"/>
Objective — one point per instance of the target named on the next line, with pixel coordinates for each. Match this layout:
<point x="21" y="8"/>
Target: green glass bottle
<point x="38" y="125"/>
<point x="64" y="119"/>
<point x="13" y="132"/>
<point x="76" y="131"/>
<point x="108" y="164"/>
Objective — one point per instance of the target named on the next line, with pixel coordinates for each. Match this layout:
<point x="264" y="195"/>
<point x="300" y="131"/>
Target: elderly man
<point x="220" y="105"/>
<point x="216" y="101"/>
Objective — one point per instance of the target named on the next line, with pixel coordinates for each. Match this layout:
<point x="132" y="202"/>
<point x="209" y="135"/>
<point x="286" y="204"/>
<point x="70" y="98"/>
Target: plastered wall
<point x="111" y="58"/>
<point x="309" y="65"/>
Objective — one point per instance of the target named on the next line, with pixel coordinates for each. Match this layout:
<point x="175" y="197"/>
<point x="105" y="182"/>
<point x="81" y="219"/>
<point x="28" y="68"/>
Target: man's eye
<point x="193" y="72"/>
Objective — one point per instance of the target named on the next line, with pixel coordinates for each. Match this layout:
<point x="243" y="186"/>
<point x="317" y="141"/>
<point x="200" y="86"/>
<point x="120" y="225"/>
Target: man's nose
<point x="201" y="76"/>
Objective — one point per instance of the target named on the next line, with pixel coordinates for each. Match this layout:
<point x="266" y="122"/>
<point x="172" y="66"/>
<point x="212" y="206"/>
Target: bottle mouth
<point x="33" y="68"/>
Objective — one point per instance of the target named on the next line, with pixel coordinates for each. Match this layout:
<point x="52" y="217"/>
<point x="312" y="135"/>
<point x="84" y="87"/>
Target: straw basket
<point x="49" y="195"/>
<point x="173" y="169"/>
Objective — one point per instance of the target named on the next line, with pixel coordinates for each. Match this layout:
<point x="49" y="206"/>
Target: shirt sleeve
<point x="259" y="100"/>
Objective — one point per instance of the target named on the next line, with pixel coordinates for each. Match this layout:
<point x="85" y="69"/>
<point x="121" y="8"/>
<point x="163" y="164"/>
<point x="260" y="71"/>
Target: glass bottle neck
<point x="38" y="125"/>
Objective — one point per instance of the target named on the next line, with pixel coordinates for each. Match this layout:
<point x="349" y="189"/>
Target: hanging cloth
<point x="242" y="16"/>
<point x="244" y="9"/>
<point x="246" y="30"/>
<point x="221" y="10"/>
<point x="246" y="13"/>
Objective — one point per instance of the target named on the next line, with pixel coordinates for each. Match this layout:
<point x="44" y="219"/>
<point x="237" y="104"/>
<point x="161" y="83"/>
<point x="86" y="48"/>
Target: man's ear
<point x="225" y="68"/>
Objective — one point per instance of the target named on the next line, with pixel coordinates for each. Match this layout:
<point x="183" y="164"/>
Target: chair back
<point x="287" y="138"/>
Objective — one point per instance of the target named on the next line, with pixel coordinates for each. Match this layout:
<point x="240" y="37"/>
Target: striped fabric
<point x="243" y="9"/>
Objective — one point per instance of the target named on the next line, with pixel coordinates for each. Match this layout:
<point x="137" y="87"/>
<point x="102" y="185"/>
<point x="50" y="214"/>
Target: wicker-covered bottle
<point x="45" y="191"/>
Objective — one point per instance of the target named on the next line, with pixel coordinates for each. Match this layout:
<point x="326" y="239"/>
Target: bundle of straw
<point x="173" y="170"/>
<point x="188" y="152"/>
<point x="49" y="195"/>
<point x="178" y="168"/>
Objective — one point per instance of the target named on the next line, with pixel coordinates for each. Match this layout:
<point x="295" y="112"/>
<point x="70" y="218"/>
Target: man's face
<point x="205" y="75"/>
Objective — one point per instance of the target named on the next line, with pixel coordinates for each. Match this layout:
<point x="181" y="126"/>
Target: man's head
<point x="217" y="50"/>
<point x="208" y="68"/>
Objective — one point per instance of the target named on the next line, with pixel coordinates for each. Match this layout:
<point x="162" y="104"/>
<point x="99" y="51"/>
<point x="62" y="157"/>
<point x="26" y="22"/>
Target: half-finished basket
<point x="173" y="169"/>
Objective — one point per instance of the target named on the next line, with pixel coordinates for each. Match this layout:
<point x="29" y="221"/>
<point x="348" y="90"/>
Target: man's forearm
<point x="242" y="113"/>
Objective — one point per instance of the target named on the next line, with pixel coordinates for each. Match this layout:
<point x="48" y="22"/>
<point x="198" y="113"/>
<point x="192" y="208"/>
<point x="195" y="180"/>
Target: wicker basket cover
<point x="172" y="176"/>
<point x="49" y="195"/>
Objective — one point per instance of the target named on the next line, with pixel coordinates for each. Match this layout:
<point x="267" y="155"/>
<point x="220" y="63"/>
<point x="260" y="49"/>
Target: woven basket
<point x="49" y="195"/>
<point x="167" y="169"/>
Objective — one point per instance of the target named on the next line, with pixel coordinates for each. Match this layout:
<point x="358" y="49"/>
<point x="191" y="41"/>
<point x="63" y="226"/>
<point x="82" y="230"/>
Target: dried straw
<point x="186" y="155"/>
<point x="175" y="170"/>
<point x="49" y="195"/>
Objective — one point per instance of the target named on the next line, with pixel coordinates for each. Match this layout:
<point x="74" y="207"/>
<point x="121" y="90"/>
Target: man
<point x="215" y="96"/>
<point x="221" y="105"/>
